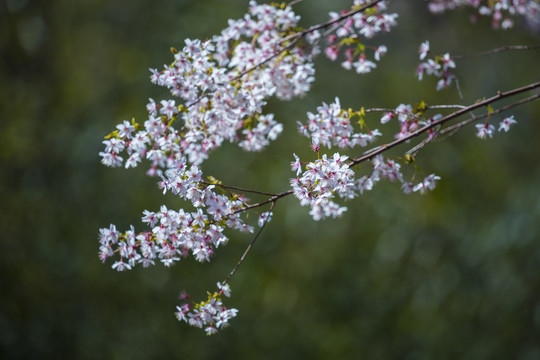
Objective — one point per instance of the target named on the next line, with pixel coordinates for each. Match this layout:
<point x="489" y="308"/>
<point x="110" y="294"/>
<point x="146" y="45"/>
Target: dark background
<point x="453" y="274"/>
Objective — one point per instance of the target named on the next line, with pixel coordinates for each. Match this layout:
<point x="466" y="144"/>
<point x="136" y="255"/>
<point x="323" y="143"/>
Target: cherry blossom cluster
<point x="500" y="11"/>
<point x="486" y="130"/>
<point x="391" y="170"/>
<point x="217" y="103"/>
<point x="332" y="126"/>
<point x="351" y="32"/>
<point x="326" y="178"/>
<point x="176" y="234"/>
<point x="211" y="314"/>
<point x="323" y="179"/>
<point x="438" y="66"/>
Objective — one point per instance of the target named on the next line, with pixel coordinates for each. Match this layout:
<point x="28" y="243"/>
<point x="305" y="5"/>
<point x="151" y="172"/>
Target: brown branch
<point x="454" y="128"/>
<point x="495" y="98"/>
<point x="495" y="51"/>
<point x="428" y="107"/>
<point x="483" y="116"/>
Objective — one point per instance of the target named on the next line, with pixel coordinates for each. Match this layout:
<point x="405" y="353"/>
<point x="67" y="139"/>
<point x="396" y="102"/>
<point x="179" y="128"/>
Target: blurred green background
<point x="453" y="274"/>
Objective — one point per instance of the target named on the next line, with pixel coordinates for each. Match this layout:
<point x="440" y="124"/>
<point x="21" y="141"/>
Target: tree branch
<point x="483" y="116"/>
<point x="382" y="148"/>
<point x="495" y="98"/>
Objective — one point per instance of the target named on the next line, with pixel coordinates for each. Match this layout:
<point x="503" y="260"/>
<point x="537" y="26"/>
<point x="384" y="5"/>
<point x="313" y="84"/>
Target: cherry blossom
<point x="506" y="123"/>
<point x="439" y="66"/>
<point x="427" y="184"/>
<point x="484" y="131"/>
<point x="424" y="49"/>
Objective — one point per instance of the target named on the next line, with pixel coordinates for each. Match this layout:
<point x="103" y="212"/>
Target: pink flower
<point x="331" y="52"/>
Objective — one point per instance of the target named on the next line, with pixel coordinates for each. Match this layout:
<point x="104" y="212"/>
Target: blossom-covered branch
<point x="220" y="88"/>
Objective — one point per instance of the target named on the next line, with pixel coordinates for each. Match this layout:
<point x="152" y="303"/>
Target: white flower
<point x="484" y="131"/>
<point x="121" y="266"/>
<point x="447" y="62"/>
<point x="381" y="50"/>
<point x="364" y="66"/>
<point x="168" y="108"/>
<point x="427" y="184"/>
<point x="265" y="218"/>
<point x="506" y="123"/>
<point x="225" y="289"/>
<point x="125" y="129"/>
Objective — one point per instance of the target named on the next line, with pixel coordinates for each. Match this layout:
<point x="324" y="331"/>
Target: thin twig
<point x="413" y="151"/>
<point x="229" y="187"/>
<point x="248" y="247"/>
<point x="460" y="93"/>
<point x="270" y="200"/>
<point x="495" y="51"/>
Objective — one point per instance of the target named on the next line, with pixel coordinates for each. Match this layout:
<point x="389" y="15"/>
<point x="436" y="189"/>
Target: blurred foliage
<point x="452" y="274"/>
